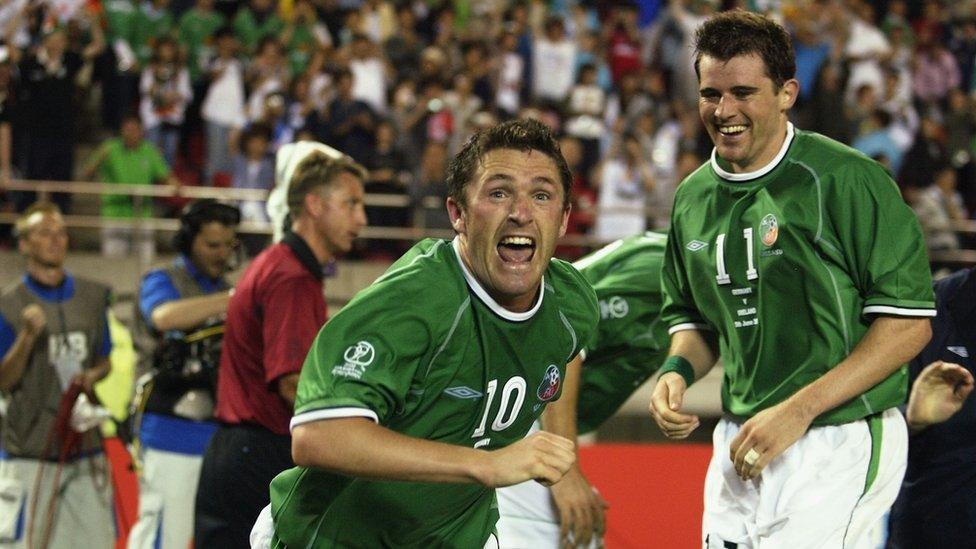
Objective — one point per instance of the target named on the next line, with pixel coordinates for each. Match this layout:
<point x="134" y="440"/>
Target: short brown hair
<point x="734" y="33"/>
<point x="521" y="135"/>
<point x="23" y="224"/>
<point x="315" y="171"/>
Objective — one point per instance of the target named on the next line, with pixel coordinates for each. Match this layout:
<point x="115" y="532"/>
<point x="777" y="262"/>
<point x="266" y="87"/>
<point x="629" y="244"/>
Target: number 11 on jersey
<point x="722" y="276"/>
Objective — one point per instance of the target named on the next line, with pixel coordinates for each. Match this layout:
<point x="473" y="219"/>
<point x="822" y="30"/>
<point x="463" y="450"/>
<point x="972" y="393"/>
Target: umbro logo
<point x="960" y="350"/>
<point x="696" y="245"/>
<point x="462" y="392"/>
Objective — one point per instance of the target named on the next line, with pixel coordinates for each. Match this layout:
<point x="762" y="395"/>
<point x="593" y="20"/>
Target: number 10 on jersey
<point x="512" y="398"/>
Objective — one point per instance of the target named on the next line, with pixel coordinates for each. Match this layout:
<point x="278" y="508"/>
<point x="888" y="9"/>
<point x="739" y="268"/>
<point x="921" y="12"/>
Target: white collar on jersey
<point x="761" y="171"/>
<point x="486" y="299"/>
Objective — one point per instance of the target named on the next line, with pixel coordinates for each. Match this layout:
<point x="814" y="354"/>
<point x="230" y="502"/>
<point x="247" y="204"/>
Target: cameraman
<point x="183" y="306"/>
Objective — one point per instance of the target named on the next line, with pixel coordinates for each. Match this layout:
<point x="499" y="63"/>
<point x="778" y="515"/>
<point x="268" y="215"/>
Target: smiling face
<point x="744" y="113"/>
<point x="508" y="226"/>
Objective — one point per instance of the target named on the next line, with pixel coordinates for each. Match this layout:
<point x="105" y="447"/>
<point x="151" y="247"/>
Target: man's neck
<point x="304" y="229"/>
<point x="48" y="276"/>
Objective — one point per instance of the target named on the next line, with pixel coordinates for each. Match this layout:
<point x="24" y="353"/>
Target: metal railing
<point x="143" y="192"/>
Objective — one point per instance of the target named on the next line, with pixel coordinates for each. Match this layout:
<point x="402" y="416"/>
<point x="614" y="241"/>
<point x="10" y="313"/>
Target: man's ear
<point x="456" y="212"/>
<point x="565" y="223"/>
<point x="788" y="94"/>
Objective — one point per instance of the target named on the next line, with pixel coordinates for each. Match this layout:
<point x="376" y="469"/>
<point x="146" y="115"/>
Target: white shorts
<point x="528" y="516"/>
<point x="829" y="490"/>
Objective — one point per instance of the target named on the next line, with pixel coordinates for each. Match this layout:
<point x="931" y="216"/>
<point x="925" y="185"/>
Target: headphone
<point x="196" y="214"/>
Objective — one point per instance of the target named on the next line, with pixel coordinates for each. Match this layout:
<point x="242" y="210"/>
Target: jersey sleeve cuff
<point x="901" y="308"/>
<point x="688" y="326"/>
<point x="331" y="413"/>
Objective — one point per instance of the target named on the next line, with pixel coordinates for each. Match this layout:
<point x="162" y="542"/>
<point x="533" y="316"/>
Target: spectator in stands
<point x="585" y="108"/>
<point x="938" y="206"/>
<point x="129" y="159"/>
<point x="153" y="21"/>
<point x="936" y="71"/>
<point x="827" y="106"/>
<point x="166" y="93"/>
<point x="346" y="123"/>
<point x="263" y="354"/>
<point x="876" y="139"/>
<point x="54" y="339"/>
<point x="463" y="104"/>
<point x="509" y="73"/>
<point x="119" y="63"/>
<point x="370" y="73"/>
<point x="182" y="308"/>
<point x="48" y="85"/>
<point x="223" y="108"/>
<point x="255" y="22"/>
<point x="389" y="174"/>
<point x="304" y="34"/>
<point x="927" y="156"/>
<point x="625" y="180"/>
<point x="402" y="49"/>
<point x="553" y="61"/>
<point x="866" y="47"/>
<point x="267" y="73"/>
<point x="430" y="188"/>
<point x="936" y="503"/>
<point x="196" y="28"/>
<point x="253" y="168"/>
<point x="963" y="47"/>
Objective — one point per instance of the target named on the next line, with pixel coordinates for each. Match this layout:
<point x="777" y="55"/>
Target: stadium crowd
<point x="217" y="86"/>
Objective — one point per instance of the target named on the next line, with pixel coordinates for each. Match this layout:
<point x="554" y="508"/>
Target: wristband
<point x="678" y="364"/>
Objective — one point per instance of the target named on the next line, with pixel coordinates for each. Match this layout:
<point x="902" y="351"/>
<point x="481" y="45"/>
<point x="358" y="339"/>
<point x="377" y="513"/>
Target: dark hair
<point x="733" y="33"/>
<point x="315" y="171"/>
<point x="521" y="135"/>
<point x="197" y="214"/>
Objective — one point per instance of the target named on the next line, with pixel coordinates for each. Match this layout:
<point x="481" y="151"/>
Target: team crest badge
<point x="550" y="384"/>
<point x="769" y="230"/>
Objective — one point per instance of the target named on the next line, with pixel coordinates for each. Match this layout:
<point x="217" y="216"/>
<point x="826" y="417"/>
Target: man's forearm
<point x="361" y="448"/>
<point x="184" y="314"/>
<point x="697" y="347"/>
<point x="15" y="361"/>
<point x="889" y="343"/>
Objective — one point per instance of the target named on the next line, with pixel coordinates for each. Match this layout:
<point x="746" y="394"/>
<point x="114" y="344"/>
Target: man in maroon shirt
<point x="274" y="314"/>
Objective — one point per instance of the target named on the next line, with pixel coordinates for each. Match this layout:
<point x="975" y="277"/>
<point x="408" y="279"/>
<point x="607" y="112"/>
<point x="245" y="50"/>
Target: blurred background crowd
<point x="203" y="92"/>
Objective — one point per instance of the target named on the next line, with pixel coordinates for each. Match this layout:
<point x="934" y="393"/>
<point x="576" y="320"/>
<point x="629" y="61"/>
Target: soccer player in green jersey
<point x="629" y="347"/>
<point x="794" y="258"/>
<point x="433" y="375"/>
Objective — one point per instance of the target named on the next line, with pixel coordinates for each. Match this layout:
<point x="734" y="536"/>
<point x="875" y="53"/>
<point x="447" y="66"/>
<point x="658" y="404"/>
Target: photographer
<point x="183" y="307"/>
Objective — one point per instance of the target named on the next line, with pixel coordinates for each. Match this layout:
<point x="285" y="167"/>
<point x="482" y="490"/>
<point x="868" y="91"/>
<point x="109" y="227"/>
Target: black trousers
<point x="238" y="466"/>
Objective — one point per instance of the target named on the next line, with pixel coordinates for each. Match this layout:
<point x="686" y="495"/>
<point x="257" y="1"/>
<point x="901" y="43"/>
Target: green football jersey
<point x="631" y="340"/>
<point x="427" y="353"/>
<point x="789" y="265"/>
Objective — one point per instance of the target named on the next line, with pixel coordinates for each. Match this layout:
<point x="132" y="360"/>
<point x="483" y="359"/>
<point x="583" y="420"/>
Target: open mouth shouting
<point x="516" y="251"/>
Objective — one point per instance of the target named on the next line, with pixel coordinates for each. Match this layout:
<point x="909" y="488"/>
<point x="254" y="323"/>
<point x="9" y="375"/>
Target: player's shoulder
<point x="834" y="163"/>
<point x="632" y="264"/>
<point x="426" y="278"/>
<point x="573" y="293"/>
<point x="697" y="183"/>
